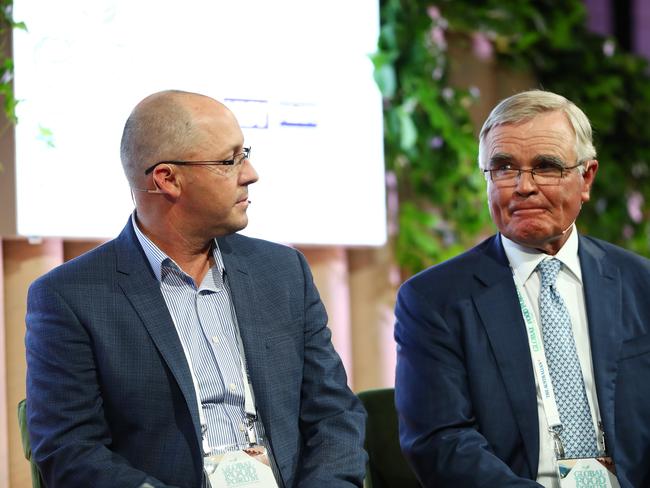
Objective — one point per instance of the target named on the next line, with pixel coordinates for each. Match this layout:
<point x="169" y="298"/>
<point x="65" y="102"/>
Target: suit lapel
<point x="603" y="300"/>
<point x="498" y="307"/>
<point x="143" y="291"/>
<point x="243" y="297"/>
<point x="250" y="324"/>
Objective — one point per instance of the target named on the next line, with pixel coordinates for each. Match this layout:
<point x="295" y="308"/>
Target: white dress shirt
<point x="523" y="261"/>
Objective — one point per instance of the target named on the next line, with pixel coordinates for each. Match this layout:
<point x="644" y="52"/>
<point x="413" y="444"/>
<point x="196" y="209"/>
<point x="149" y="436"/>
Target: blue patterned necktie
<point x="577" y="434"/>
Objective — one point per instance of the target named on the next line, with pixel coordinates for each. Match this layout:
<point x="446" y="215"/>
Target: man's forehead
<point x="533" y="138"/>
<point x="554" y="121"/>
<point x="534" y="135"/>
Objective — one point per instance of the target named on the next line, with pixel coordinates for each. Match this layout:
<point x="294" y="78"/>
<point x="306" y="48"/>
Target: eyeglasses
<point x="235" y="162"/>
<point x="546" y="174"/>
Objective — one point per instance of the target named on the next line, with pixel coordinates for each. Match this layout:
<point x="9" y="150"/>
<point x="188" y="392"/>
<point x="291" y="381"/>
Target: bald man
<point x="180" y="344"/>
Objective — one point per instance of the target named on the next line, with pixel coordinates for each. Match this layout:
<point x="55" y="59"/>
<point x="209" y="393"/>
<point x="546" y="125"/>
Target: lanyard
<point x="249" y="400"/>
<point x="540" y="367"/>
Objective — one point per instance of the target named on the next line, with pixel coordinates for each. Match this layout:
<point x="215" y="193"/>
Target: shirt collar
<point x="157" y="258"/>
<point x="524" y="260"/>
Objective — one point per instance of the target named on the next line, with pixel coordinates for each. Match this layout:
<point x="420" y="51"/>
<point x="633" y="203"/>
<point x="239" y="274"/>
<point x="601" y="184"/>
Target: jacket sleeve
<point x="439" y="434"/>
<point x="69" y="434"/>
<point x="332" y="419"/>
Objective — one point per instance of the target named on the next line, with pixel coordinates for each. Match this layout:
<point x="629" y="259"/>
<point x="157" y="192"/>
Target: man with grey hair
<point x="182" y="354"/>
<point x="526" y="360"/>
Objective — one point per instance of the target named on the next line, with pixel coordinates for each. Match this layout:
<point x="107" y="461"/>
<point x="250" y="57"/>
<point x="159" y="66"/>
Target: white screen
<point x="296" y="73"/>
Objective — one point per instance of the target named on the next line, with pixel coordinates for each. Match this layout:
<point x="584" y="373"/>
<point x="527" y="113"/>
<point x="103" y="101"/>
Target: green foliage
<point x="7" y="24"/>
<point x="9" y="102"/>
<point x="442" y="195"/>
<point x="428" y="138"/>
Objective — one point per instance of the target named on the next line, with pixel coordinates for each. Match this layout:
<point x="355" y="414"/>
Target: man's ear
<point x="166" y="181"/>
<point x="588" y="177"/>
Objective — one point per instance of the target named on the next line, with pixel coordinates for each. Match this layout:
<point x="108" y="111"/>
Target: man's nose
<point x="248" y="174"/>
<point x="525" y="182"/>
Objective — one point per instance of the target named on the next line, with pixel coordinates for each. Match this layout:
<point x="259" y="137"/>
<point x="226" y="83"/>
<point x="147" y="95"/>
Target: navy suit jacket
<point x="465" y="387"/>
<point x="110" y="398"/>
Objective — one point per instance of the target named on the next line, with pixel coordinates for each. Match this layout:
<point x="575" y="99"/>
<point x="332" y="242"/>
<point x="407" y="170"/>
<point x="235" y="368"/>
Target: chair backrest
<point x="387" y="467"/>
<point x="37" y="482"/>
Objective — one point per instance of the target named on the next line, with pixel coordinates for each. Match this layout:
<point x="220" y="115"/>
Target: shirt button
<point x="242" y="428"/>
<point x="215" y="339"/>
<point x="232" y="387"/>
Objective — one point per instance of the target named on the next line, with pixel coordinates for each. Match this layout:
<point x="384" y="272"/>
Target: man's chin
<point x="240" y="225"/>
<point x="549" y="244"/>
<point x="231" y="227"/>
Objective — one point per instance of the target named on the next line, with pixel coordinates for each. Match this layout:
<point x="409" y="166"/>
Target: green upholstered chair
<point x="387" y="467"/>
<point x="37" y="482"/>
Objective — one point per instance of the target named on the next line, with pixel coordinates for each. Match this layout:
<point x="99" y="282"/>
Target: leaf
<point x="408" y="132"/>
<point x="46" y="135"/>
<point x="386" y="80"/>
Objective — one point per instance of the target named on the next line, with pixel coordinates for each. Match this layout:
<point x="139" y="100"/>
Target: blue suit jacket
<point x="465" y="387"/>
<point x="110" y="399"/>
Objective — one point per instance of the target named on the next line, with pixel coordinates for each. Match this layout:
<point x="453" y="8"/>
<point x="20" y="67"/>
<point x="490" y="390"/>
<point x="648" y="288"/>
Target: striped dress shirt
<point x="206" y="323"/>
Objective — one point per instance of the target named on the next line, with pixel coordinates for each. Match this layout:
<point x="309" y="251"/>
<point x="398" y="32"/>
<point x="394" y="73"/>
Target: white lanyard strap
<point x="249" y="401"/>
<point x="250" y="411"/>
<point x="540" y="366"/>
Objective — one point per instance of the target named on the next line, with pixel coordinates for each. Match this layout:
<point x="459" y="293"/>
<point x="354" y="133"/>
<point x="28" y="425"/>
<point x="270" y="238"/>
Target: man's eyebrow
<point x="501" y="158"/>
<point x="548" y="159"/>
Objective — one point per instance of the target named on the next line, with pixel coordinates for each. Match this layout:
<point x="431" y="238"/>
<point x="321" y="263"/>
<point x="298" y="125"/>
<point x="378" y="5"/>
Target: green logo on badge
<point x="241" y="473"/>
<point x="590" y="478"/>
